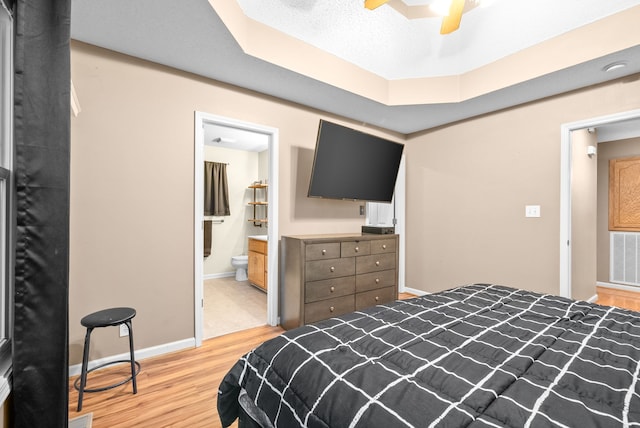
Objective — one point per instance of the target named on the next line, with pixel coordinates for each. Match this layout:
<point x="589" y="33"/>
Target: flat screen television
<point x="350" y="164"/>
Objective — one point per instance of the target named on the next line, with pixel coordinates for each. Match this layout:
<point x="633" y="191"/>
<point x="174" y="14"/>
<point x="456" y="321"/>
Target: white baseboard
<point x="618" y="286"/>
<point x="593" y="298"/>
<point x="415" y="291"/>
<point x="140" y="354"/>
<point x="218" y="275"/>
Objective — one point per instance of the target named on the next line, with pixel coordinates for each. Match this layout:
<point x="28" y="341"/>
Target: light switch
<point x="532" y="211"/>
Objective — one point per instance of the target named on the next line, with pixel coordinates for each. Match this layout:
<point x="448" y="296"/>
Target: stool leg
<point x="85" y="363"/>
<point x="132" y="356"/>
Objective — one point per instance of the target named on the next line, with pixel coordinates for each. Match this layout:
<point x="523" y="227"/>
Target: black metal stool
<point x="106" y="318"/>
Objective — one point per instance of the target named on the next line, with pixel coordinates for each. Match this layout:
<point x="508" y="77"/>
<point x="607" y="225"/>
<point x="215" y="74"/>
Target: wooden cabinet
<point x="624" y="194"/>
<point x="257" y="267"/>
<point x="330" y="275"/>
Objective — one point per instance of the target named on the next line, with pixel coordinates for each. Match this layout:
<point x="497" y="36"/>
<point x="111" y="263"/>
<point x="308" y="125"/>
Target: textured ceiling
<point x="388" y="44"/>
<point x="190" y="35"/>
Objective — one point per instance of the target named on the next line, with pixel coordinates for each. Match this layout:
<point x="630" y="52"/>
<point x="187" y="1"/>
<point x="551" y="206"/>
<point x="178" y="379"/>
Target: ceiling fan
<point x="450" y="22"/>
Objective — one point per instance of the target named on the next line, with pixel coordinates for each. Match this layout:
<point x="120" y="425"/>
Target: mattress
<point x="481" y="355"/>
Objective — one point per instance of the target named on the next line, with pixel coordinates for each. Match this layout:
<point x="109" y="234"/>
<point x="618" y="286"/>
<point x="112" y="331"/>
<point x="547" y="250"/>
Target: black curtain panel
<point x="42" y="144"/>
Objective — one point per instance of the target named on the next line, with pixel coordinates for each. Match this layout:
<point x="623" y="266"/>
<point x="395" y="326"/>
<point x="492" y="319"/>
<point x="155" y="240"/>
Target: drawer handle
<point x="384" y="246"/>
<point x="324" y="252"/>
<point x="377" y="263"/>
<point x="377" y="298"/>
<point x="332" y="289"/>
<point x="332" y="269"/>
<point x="377" y="280"/>
<point x="331" y="309"/>
<point x="357" y="249"/>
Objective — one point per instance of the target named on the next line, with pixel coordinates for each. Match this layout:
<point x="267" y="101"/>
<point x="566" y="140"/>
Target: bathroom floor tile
<point x="231" y="306"/>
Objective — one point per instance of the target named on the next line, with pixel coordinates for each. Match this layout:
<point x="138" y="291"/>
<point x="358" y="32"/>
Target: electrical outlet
<point x="532" y="211"/>
<point x="124" y="330"/>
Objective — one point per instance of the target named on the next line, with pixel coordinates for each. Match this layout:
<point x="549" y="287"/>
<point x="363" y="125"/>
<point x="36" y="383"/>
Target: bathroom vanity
<point x="257" y="267"/>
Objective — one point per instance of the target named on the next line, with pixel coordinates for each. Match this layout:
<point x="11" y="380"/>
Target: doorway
<point x="271" y="134"/>
<point x="567" y="189"/>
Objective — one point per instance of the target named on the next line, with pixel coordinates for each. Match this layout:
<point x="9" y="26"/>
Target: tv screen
<point x="350" y="164"/>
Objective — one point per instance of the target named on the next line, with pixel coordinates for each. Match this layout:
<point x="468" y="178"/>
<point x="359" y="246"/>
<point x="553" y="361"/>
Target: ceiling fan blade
<point x="372" y="4"/>
<point x="451" y="22"/>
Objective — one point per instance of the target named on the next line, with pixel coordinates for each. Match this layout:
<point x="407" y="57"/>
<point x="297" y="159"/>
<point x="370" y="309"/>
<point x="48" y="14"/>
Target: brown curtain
<point x="216" y="189"/>
<point x="207" y="238"/>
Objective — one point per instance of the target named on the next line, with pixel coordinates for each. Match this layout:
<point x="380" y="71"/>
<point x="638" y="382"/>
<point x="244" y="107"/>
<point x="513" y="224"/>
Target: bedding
<point x="481" y="355"/>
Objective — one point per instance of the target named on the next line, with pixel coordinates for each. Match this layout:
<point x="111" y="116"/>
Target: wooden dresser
<point x="330" y="275"/>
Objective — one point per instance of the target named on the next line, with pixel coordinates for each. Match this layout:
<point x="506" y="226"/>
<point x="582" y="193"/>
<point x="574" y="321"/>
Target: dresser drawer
<point x="355" y="248"/>
<point x="329" y="288"/>
<point x="328" y="308"/>
<point x="375" y="297"/>
<point x="374" y="280"/>
<point x="325" y="269"/>
<point x="327" y="250"/>
<point x="380" y="246"/>
<point x="375" y="263"/>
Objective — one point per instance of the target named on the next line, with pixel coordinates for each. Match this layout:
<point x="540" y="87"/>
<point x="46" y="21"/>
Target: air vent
<point x="625" y="258"/>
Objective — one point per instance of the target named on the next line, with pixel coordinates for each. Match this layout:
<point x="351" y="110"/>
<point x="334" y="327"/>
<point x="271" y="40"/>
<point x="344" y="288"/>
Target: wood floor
<point x="174" y="390"/>
<point x="179" y="389"/>
<point x="620" y="298"/>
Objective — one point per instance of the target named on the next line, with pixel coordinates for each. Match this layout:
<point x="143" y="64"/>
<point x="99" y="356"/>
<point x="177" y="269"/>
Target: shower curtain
<point x="216" y="189"/>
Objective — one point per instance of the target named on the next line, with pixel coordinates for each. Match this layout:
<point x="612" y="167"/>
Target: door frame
<point x="198" y="206"/>
<point x="565" y="187"/>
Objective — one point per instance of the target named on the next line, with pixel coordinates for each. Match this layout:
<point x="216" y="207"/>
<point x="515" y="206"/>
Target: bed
<point x="481" y="355"/>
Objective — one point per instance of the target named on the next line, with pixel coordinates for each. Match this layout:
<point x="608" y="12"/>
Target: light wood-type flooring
<point x="620" y="298"/>
<point x="174" y="390"/>
<point x="179" y="389"/>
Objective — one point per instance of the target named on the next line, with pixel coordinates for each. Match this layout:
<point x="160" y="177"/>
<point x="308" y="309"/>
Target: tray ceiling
<point x="376" y="67"/>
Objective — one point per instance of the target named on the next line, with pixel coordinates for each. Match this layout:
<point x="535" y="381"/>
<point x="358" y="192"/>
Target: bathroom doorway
<point x="238" y="145"/>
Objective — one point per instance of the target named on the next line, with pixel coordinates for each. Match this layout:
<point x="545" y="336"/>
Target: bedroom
<point x="491" y="166"/>
<point x="510" y="158"/>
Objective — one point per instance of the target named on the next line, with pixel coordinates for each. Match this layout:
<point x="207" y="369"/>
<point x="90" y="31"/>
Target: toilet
<point x="240" y="263"/>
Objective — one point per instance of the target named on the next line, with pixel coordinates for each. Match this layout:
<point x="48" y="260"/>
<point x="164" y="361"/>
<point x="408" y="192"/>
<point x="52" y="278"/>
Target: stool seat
<point x="108" y="317"/>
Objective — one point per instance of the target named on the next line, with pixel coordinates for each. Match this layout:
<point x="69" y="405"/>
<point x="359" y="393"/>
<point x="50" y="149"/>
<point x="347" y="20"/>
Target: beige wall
<point x="230" y="238"/>
<point x="132" y="152"/>
<point x="607" y="151"/>
<point x="132" y="190"/>
<point x="584" y="202"/>
<point x="468" y="184"/>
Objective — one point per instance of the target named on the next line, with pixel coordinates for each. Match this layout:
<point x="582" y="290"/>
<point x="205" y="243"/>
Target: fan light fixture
<point x="441" y="7"/>
<point x="450" y="10"/>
